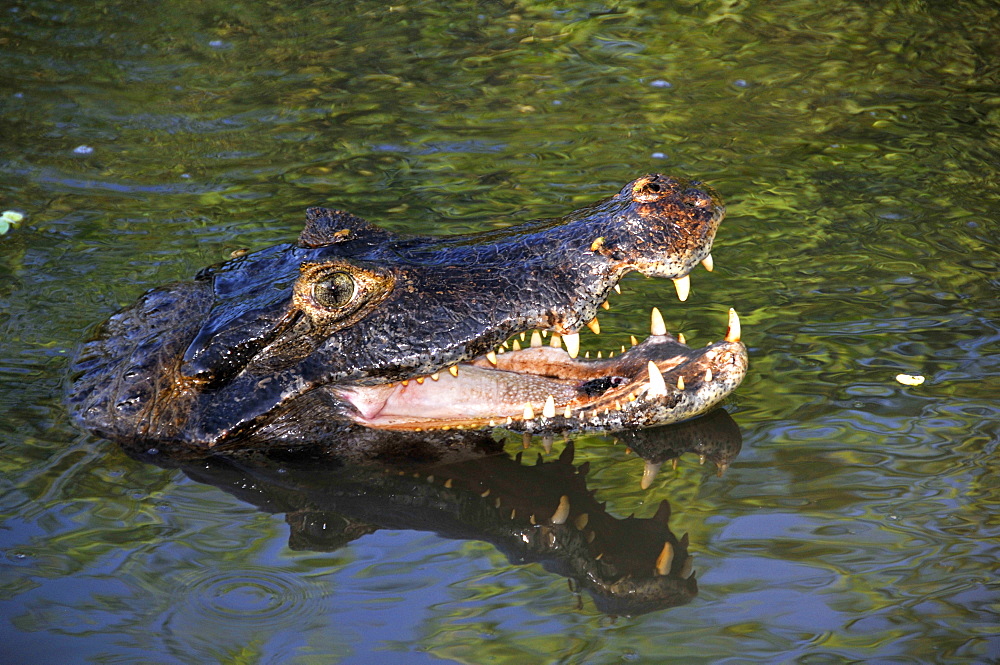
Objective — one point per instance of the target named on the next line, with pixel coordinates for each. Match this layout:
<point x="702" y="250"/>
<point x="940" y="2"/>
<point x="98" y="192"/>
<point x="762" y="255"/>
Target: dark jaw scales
<point x="541" y="389"/>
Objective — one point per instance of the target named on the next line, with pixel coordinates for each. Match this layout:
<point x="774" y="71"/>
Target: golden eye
<point x="334" y="291"/>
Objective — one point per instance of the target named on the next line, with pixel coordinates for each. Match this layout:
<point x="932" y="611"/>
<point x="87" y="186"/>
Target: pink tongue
<point x="475" y="393"/>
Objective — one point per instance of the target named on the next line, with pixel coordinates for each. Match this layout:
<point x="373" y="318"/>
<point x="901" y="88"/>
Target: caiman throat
<point x="353" y="325"/>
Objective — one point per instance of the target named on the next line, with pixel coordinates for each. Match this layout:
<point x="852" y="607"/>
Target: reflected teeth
<point x="562" y="512"/>
<point x="649" y="474"/>
<point x="595" y="326"/>
<point x="665" y="560"/>
<point x="536" y="340"/>
<point x="657" y="327"/>
<point x="549" y="410"/>
<point x="708" y="263"/>
<point x="657" y="386"/>
<point x="733" y="334"/>
<point x="683" y="286"/>
<point x="492" y="357"/>
<point x="572" y="344"/>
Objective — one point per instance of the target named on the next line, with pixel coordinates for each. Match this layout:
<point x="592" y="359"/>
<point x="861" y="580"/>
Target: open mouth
<point x="545" y="387"/>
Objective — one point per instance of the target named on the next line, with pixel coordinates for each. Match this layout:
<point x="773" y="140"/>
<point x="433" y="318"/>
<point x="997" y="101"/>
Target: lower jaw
<point x="537" y="390"/>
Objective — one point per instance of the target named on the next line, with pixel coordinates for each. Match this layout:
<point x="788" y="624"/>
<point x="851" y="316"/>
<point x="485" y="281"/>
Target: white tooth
<point x="556" y="341"/>
<point x="572" y="344"/>
<point x="657" y="327"/>
<point x="649" y="474"/>
<point x="515" y="346"/>
<point x="562" y="512"/>
<point x="549" y="410"/>
<point x="681" y="338"/>
<point x="529" y="413"/>
<point x="683" y="286"/>
<point x="436" y="375"/>
<point x="657" y="386"/>
<point x="453" y="370"/>
<point x="665" y="560"/>
<point x="632" y="339"/>
<point x="536" y="340"/>
<point x="545" y="333"/>
<point x="568" y="413"/>
<point x="595" y="326"/>
<point x="606" y="305"/>
<point x="680" y="383"/>
<point x="492" y="357"/>
<point x="599" y="354"/>
<point x="734" y="332"/>
<point x="522" y="337"/>
<point x="708" y="263"/>
<point x="708" y="375"/>
<point x="618" y="289"/>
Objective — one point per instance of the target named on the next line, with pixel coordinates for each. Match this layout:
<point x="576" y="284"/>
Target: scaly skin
<point x="356" y="326"/>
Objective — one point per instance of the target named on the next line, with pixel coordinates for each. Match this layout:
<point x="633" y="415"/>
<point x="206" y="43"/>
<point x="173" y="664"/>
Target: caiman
<point x="355" y="326"/>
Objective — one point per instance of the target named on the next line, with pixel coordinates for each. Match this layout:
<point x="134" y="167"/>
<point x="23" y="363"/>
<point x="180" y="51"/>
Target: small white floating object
<point x="910" y="379"/>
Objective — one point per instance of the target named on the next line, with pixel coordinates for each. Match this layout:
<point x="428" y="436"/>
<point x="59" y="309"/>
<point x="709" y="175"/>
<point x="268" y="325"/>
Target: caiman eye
<point x="334" y="291"/>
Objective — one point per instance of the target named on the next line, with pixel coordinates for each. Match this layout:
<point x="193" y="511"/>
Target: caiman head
<point x="354" y="325"/>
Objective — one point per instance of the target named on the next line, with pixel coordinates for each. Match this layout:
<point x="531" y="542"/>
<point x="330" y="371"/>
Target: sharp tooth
<point x="435" y="376"/>
<point x="686" y="568"/>
<point x="733" y="334"/>
<point x="453" y="370"/>
<point x="633" y="340"/>
<point x="618" y="289"/>
<point x="681" y="338"/>
<point x="516" y="346"/>
<point x="532" y="519"/>
<point x="595" y="326"/>
<point x="509" y="421"/>
<point x="447" y="483"/>
<point x="649" y="474"/>
<point x="657" y="386"/>
<point x="545" y="333"/>
<point x="611" y="354"/>
<point x="581" y="521"/>
<point x="496" y="503"/>
<point x="657" y="327"/>
<point x="485" y="494"/>
<point x="562" y="512"/>
<point x="529" y="413"/>
<point x="599" y="355"/>
<point x="513" y="513"/>
<point x="572" y="344"/>
<point x="683" y="286"/>
<point x="567" y="413"/>
<point x="504" y="346"/>
<point x="522" y="337"/>
<point x="549" y="410"/>
<point x="536" y="340"/>
<point x="405" y="382"/>
<point x="674" y="462"/>
<point x="492" y="357"/>
<point x="665" y="560"/>
<point x="493" y="423"/>
<point x="680" y="383"/>
<point x="708" y="263"/>
<point x="708" y="375"/>
<point x="701" y="460"/>
<point x="430" y="479"/>
<point x="606" y="305"/>
<point x="420" y="379"/>
<point x="587" y="355"/>
<point x="556" y="341"/>
<point x="623" y="348"/>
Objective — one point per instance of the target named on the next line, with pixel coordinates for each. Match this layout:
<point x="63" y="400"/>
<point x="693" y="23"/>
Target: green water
<point x="856" y="145"/>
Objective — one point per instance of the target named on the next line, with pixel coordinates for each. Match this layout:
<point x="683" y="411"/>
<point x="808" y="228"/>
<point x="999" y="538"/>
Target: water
<point x="856" y="146"/>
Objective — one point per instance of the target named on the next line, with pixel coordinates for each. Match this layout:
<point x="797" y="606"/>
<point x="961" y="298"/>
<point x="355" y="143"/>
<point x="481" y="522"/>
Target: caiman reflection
<point x="468" y="488"/>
